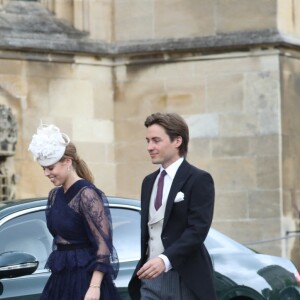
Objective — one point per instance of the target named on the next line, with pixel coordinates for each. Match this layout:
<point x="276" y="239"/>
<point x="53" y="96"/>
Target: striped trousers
<point x="167" y="286"/>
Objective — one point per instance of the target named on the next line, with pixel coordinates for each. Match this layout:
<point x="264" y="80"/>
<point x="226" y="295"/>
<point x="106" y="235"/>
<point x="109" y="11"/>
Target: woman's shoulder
<point x="88" y="188"/>
<point x="85" y="185"/>
<point x="52" y="195"/>
<point x="54" y="191"/>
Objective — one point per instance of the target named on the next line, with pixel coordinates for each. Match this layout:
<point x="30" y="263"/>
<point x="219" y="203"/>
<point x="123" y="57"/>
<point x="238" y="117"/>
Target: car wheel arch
<point x="242" y="293"/>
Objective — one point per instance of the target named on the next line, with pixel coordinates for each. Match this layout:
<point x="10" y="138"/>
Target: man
<point x="174" y="262"/>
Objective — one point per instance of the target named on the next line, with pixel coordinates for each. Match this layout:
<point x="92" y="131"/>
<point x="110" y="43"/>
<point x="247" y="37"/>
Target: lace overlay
<point x="81" y="216"/>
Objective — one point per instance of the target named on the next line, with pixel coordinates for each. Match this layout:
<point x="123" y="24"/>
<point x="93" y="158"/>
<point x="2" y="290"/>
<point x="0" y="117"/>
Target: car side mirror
<point x="15" y="264"/>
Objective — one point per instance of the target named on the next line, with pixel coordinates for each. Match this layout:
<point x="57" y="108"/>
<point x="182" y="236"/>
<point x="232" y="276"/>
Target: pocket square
<point x="179" y="197"/>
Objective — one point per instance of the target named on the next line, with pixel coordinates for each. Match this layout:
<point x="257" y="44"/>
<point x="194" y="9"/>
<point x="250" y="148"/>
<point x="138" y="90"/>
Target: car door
<point x="26" y="232"/>
<point x="126" y="239"/>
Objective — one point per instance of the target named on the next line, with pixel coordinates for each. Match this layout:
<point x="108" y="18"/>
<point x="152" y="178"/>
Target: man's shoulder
<point x="193" y="168"/>
<point x="151" y="175"/>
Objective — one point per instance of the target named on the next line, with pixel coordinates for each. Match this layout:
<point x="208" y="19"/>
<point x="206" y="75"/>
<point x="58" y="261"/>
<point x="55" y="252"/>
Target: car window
<point x="27" y="233"/>
<point x="126" y="233"/>
<point x="216" y="241"/>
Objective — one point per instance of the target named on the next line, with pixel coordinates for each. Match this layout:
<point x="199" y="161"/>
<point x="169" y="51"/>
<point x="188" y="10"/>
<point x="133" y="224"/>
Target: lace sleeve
<point x="95" y="209"/>
<point x="51" y="197"/>
<point x="50" y="202"/>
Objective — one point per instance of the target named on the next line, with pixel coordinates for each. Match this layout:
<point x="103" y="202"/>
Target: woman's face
<point x="58" y="172"/>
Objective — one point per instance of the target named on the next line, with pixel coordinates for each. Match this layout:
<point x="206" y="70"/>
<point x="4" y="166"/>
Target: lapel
<point x="182" y="174"/>
<point x="146" y="197"/>
<point x="156" y="215"/>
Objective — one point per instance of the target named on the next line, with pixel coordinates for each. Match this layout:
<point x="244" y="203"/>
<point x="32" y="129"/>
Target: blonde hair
<point x="78" y="164"/>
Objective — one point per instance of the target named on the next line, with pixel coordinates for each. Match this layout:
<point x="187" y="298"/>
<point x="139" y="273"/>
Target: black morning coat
<point x="186" y="225"/>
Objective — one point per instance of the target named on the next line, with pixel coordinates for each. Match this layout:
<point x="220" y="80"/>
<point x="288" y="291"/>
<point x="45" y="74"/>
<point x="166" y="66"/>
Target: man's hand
<point x="151" y="268"/>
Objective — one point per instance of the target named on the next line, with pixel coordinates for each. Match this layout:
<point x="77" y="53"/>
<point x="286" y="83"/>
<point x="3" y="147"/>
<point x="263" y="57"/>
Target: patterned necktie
<point x="160" y="187"/>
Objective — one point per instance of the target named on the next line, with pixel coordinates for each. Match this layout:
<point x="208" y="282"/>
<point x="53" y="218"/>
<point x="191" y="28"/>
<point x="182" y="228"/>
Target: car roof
<point x="215" y="240"/>
<point x="120" y="201"/>
<point x="12" y="206"/>
<point x="8" y="207"/>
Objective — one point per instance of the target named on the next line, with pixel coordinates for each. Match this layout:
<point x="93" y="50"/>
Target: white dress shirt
<point x="171" y="172"/>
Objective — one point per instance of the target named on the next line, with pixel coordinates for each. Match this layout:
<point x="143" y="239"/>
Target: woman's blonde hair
<point x="78" y="164"/>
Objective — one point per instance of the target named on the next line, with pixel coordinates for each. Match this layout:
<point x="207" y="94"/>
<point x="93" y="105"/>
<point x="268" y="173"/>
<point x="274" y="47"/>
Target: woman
<point x="84" y="262"/>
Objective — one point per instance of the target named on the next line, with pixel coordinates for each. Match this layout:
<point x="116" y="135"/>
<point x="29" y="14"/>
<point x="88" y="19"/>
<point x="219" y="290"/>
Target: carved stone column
<point x="8" y="141"/>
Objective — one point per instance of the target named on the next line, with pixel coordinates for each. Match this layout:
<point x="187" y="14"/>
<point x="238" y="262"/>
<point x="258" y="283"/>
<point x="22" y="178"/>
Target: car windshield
<point x="217" y="241"/>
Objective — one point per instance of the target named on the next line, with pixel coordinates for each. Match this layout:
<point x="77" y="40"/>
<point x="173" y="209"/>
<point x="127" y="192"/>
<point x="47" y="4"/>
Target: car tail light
<point x="297" y="275"/>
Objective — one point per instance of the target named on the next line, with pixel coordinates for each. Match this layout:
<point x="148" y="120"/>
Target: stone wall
<point x="163" y="19"/>
<point x="132" y="20"/>
<point x="290" y="150"/>
<point x="232" y="105"/>
<point x="229" y="67"/>
<point x="78" y="98"/>
<point x="8" y="140"/>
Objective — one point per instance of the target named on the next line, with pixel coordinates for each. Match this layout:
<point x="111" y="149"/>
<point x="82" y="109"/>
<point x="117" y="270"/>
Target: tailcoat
<point x="185" y="226"/>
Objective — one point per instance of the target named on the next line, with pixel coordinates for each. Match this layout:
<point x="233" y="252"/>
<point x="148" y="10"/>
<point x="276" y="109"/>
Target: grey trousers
<point x="167" y="286"/>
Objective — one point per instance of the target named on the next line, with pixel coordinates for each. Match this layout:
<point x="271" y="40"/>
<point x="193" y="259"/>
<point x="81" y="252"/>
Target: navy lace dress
<point x="80" y="223"/>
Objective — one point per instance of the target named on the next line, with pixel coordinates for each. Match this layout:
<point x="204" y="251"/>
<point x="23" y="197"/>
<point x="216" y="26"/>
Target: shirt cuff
<point x="167" y="263"/>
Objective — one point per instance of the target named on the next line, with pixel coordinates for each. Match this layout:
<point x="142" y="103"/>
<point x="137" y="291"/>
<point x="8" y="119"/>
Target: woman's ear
<point x="68" y="161"/>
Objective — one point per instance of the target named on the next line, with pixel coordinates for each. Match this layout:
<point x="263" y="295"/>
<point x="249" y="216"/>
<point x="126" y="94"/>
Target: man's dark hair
<point x="174" y="126"/>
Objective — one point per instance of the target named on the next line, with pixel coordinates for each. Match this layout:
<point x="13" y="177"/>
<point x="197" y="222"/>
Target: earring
<point x="68" y="168"/>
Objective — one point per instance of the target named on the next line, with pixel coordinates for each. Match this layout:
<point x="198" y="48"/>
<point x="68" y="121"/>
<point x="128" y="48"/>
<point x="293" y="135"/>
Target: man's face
<point x="161" y="149"/>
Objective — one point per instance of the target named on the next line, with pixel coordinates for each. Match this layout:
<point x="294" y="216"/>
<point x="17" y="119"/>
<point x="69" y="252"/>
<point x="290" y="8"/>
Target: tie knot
<point x="163" y="173"/>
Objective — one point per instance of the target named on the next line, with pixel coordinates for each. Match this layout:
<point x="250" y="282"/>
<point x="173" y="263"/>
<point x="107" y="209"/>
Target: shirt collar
<point x="172" y="169"/>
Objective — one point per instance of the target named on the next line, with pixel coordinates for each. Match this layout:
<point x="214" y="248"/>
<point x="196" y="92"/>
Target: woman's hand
<point x="93" y="293"/>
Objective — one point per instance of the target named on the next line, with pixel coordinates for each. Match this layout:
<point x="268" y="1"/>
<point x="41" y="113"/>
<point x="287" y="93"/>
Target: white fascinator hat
<point x="48" y="145"/>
